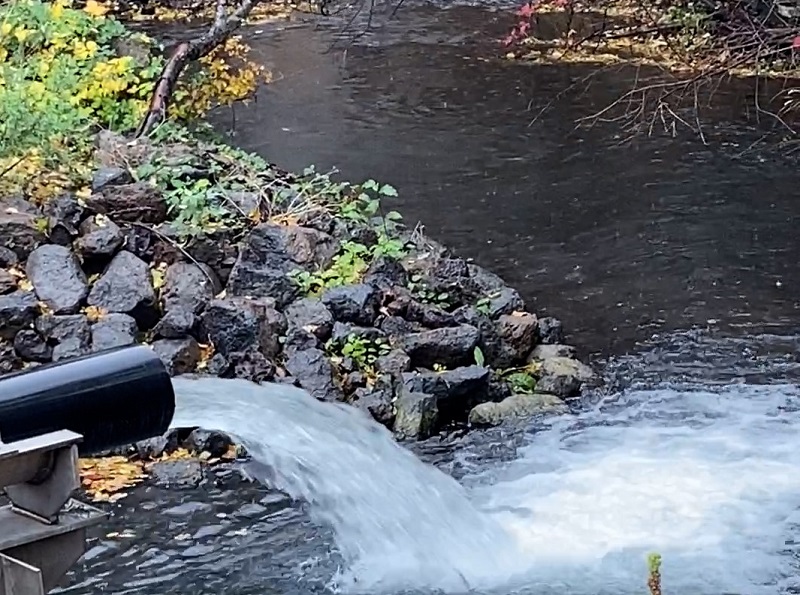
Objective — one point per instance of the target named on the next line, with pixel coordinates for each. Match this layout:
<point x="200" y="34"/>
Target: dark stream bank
<point x="619" y="242"/>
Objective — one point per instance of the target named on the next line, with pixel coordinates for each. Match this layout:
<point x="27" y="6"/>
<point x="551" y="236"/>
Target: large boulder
<point x="17" y="311"/>
<point x="518" y="336"/>
<point x="57" y="278"/>
<point x="139" y="201"/>
<point x="314" y="373"/>
<point x="64" y="215"/>
<point x="100" y="237"/>
<point x="353" y="303"/>
<point x="126" y="287"/>
<point x="456" y="391"/>
<point x="551" y="331"/>
<point x="270" y="253"/>
<point x="417" y="416"/>
<point x="187" y="289"/>
<point x="377" y="402"/>
<point x="563" y="376"/>
<point x="238" y="325"/>
<point x="62" y="328"/>
<point x="180" y="356"/>
<point x="515" y="408"/>
<point x="450" y="347"/>
<point x="311" y="315"/>
<point x="113" y="330"/>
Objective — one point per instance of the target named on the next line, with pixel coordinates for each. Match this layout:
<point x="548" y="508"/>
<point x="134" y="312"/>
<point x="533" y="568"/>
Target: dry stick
<point x="188" y="52"/>
<point x="177" y="246"/>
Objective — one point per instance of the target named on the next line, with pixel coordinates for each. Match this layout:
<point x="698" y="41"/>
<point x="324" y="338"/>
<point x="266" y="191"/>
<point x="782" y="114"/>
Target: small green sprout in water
<point x="654" y="570"/>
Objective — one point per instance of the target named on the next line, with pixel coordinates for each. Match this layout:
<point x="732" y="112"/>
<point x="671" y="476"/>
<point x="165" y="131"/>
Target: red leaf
<point x="796" y="43"/>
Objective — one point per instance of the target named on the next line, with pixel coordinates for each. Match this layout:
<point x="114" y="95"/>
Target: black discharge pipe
<point x="113" y="398"/>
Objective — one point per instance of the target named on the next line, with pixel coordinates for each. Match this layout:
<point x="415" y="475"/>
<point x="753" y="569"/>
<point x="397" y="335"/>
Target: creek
<point x="672" y="261"/>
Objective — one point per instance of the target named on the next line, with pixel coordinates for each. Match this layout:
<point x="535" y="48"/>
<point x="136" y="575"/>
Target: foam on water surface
<point x="711" y="480"/>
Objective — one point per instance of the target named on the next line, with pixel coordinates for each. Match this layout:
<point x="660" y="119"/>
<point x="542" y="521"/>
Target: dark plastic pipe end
<point x="113" y="398"/>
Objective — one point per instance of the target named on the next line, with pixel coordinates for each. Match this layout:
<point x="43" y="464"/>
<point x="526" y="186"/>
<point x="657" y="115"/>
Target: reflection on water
<point x="665" y="234"/>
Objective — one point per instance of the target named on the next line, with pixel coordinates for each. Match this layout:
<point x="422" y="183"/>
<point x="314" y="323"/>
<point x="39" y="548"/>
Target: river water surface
<point x="690" y="449"/>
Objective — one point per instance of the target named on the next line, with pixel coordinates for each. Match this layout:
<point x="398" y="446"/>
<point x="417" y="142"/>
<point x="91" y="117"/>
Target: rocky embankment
<point x="420" y="339"/>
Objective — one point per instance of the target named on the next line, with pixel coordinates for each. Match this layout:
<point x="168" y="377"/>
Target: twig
<point x="175" y="245"/>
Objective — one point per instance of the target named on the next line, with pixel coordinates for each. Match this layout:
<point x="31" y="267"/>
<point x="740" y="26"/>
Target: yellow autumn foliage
<point x="62" y="80"/>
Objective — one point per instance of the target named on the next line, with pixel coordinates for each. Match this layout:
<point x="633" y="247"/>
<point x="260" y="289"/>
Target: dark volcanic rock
<point x="217" y="250"/>
<point x="30" y="346"/>
<point x="179" y="355"/>
<point x="342" y="330"/>
<point x="417" y="416"/>
<point x="450" y="347"/>
<point x="110" y="176"/>
<point x="189" y="288"/>
<point x="377" y="402"/>
<point x="19" y="231"/>
<point x="153" y="448"/>
<point x="100" y="237"/>
<point x="311" y="315"/>
<point x="314" y="373"/>
<point x="251" y="365"/>
<point x="139" y="201"/>
<point x="270" y="252"/>
<point x="456" y="391"/>
<point x="396" y="327"/>
<point x="57" y="329"/>
<point x="64" y="214"/>
<point x="518" y="334"/>
<point x="551" y="331"/>
<point x="237" y="324"/>
<point x="298" y="339"/>
<point x="393" y="363"/>
<point x="175" y="324"/>
<point x="17" y="310"/>
<point x="126" y="287"/>
<point x="7" y="282"/>
<point x="138" y="241"/>
<point x="69" y="348"/>
<point x="210" y="441"/>
<point x="386" y="274"/>
<point x="57" y="278"/>
<point x="353" y="303"/>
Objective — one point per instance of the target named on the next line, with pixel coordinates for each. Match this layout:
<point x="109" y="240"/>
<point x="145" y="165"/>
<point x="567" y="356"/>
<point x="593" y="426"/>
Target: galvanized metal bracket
<point x="43" y="530"/>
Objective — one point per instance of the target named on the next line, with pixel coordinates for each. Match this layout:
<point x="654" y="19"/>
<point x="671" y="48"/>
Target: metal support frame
<point x="43" y="530"/>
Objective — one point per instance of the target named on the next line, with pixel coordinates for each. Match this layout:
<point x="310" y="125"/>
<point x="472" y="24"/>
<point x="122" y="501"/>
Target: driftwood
<point x="187" y="52"/>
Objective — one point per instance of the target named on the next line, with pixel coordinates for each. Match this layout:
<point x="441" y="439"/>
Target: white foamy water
<point x="709" y="480"/>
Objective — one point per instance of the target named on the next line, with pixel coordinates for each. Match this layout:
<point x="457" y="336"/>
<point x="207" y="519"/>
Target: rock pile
<point x="80" y="276"/>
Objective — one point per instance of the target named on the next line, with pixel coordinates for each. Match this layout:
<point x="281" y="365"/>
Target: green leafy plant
<point x="480" y="360"/>
<point x="423" y="292"/>
<point x="483" y="305"/>
<point x="347" y="268"/>
<point x="364" y="352"/>
<point x="521" y="382"/>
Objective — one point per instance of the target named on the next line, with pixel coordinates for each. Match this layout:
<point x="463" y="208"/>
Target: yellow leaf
<point x="25" y="285"/>
<point x="94" y="8"/>
<point x="94" y="313"/>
